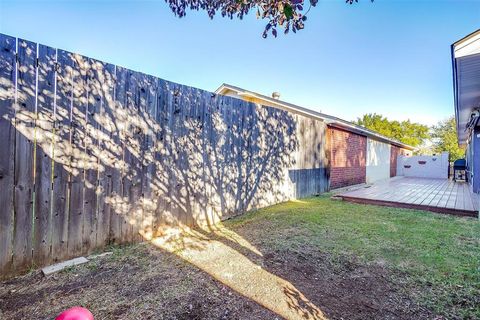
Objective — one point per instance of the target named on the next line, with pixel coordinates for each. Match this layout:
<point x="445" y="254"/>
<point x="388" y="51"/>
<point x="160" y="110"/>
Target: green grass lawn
<point x="435" y="258"/>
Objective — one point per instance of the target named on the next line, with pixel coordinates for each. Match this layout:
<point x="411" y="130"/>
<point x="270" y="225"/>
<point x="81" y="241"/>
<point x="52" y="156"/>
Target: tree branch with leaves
<point x="289" y="15"/>
<point x="444" y="138"/>
<point x="411" y="133"/>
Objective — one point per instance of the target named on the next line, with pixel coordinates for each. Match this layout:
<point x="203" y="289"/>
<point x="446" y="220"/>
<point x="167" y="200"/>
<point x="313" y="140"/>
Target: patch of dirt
<point x="139" y="282"/>
<point x="143" y="281"/>
<point x="343" y="288"/>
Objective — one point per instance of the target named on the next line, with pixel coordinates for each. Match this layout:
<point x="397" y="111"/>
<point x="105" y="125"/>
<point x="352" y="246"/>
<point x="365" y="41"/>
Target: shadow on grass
<point x="217" y="252"/>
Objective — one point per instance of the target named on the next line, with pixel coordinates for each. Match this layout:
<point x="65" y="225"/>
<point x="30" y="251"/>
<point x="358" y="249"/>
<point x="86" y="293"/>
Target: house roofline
<point x="453" y="47"/>
<point x="328" y="119"/>
<point x="467" y="37"/>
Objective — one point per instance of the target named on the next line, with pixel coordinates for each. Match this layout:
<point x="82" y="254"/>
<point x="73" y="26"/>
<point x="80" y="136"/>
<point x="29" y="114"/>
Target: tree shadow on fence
<point x="104" y="154"/>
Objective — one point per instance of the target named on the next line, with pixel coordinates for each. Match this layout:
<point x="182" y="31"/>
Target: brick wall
<point x="394" y="153"/>
<point x="347" y="158"/>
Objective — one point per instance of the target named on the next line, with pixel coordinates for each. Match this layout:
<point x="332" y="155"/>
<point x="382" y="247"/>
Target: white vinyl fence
<point x="423" y="166"/>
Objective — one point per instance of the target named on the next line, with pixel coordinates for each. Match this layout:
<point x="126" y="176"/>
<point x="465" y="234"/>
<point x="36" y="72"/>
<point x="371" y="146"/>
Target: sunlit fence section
<point x="93" y="153"/>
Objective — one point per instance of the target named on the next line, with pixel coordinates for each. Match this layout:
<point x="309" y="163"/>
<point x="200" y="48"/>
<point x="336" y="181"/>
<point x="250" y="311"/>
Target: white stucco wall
<point x="434" y="166"/>
<point x="378" y="160"/>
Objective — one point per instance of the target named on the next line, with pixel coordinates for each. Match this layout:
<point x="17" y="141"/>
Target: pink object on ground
<point x="75" y="313"/>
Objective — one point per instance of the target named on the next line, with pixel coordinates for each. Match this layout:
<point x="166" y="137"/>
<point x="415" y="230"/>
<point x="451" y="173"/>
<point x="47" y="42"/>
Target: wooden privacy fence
<point x="93" y="153"/>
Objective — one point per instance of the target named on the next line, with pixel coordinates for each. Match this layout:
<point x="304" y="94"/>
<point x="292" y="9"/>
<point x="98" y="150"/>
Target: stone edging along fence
<point x="93" y="154"/>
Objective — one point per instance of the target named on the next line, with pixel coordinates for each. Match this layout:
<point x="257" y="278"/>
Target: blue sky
<point x="390" y="57"/>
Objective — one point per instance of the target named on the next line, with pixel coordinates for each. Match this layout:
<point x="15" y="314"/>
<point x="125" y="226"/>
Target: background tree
<point x="444" y="138"/>
<point x="287" y="14"/>
<point x="411" y="133"/>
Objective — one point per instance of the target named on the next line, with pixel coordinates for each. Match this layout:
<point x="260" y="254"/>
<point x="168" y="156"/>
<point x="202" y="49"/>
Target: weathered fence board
<point x="106" y="148"/>
<point x="61" y="156"/>
<point x="24" y="153"/>
<point x="8" y="73"/>
<point x="118" y="205"/>
<point x="91" y="162"/>
<point x="149" y="168"/>
<point x="209" y="152"/>
<point x="131" y="179"/>
<point x="100" y="154"/>
<point x="76" y="240"/>
<point x="141" y="128"/>
<point x="161" y="192"/>
<point x="42" y="239"/>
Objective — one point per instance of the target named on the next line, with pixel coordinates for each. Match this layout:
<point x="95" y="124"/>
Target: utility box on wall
<point x="423" y="166"/>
